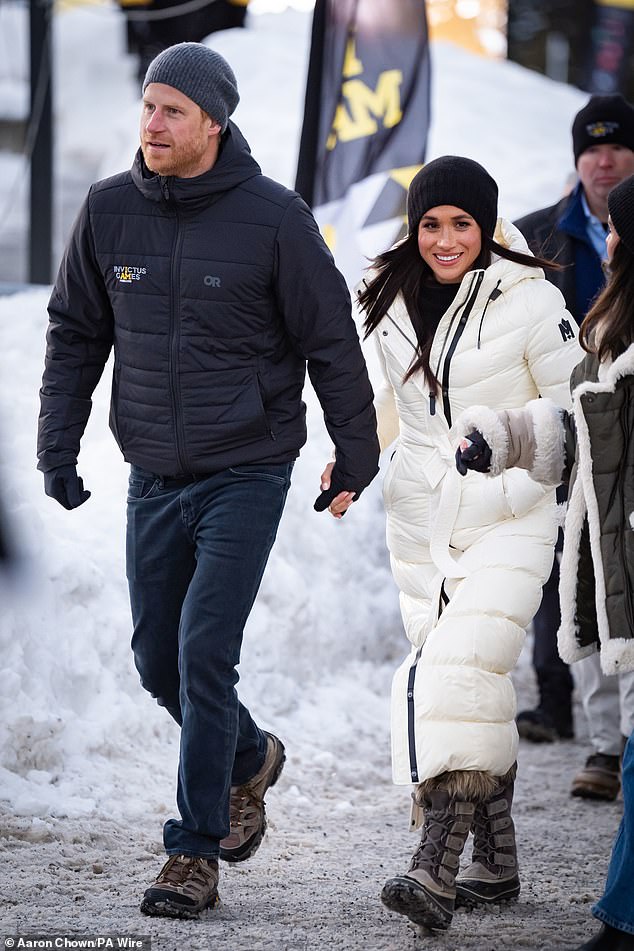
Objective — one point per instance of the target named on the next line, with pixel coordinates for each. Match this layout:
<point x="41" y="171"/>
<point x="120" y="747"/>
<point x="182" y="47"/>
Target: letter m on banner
<point x="366" y="120"/>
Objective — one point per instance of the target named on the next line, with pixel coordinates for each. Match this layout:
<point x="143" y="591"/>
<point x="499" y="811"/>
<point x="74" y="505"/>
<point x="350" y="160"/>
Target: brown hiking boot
<point x="492" y="876"/>
<point x="426" y="894"/>
<point x="186" y="885"/>
<point x="248" y="815"/>
<point x="600" y="778"/>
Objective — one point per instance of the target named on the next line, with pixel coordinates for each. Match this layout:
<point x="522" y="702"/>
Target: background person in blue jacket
<point x="216" y="291"/>
<point x="573" y="232"/>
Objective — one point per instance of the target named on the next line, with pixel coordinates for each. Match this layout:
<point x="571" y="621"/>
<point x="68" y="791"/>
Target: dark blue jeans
<point x="554" y="679"/>
<point x="616" y="907"/>
<point x="196" y="553"/>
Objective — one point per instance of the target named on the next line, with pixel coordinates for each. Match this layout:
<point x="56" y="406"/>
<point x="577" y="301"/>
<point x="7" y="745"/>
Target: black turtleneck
<point x="434" y="300"/>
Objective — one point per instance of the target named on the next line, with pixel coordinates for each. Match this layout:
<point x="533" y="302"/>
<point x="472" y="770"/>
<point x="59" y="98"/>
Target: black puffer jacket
<point x="214" y="291"/>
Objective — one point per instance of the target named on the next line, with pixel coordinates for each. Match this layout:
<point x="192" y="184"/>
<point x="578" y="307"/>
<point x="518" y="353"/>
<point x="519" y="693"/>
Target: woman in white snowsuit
<point x="593" y="450"/>
<point x="462" y="314"/>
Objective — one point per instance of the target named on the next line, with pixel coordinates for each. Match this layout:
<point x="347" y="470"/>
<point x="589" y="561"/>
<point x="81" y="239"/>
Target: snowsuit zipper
<point x="411" y="718"/>
<point x="467" y="308"/>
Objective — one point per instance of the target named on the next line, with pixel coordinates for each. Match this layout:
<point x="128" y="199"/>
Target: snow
<point x="87" y="760"/>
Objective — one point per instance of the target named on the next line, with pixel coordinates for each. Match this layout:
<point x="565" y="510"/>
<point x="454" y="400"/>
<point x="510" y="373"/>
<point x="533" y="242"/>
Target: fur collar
<point x="623" y="366"/>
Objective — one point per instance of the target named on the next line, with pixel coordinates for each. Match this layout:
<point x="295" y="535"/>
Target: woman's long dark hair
<point x="402" y="270"/>
<point x="608" y="327"/>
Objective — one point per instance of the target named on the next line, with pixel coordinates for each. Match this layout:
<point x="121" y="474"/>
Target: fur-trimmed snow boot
<point x="426" y="893"/>
<point x="492" y="876"/>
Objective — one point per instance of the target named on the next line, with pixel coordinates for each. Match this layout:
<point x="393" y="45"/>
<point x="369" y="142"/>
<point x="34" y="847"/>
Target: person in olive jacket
<point x="592" y="449"/>
<point x="573" y="233"/>
<point x="215" y="290"/>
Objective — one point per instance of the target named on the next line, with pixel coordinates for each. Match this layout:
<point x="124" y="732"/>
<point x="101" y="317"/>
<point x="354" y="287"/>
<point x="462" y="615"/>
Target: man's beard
<point x="181" y="161"/>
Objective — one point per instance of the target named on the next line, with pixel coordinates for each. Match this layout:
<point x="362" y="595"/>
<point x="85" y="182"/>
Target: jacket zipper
<point x="258" y="382"/>
<point x="174" y="334"/>
<point x="432" y="396"/>
<point x="629" y="606"/>
<point x="402" y="332"/>
<point x="468" y="307"/>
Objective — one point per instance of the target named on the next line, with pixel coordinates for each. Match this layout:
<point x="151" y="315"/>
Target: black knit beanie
<point x="621" y="208"/>
<point x="604" y="120"/>
<point x="454" y="180"/>
<point x="201" y="74"/>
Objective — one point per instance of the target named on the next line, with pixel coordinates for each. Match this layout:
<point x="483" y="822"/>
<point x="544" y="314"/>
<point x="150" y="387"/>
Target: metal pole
<point x="41" y="139"/>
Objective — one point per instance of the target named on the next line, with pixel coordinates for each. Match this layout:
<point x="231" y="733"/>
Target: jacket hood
<point x="234" y="165"/>
<point x="509" y="236"/>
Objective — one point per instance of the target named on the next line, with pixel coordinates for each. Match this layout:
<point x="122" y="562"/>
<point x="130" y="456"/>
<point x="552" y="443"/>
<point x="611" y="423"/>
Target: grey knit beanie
<point x="199" y="73"/>
<point x="454" y="180"/>
<point x="621" y="208"/>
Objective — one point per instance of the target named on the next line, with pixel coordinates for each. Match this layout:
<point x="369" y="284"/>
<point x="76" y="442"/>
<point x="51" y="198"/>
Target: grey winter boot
<point x="492" y="876"/>
<point x="426" y="893"/>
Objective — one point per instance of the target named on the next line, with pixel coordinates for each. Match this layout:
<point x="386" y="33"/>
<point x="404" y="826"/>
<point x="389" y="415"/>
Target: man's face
<point x="600" y="168"/>
<point x="177" y="137"/>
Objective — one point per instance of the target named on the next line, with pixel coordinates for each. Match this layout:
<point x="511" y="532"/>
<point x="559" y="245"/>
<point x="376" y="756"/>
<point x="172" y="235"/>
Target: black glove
<point x="476" y="456"/>
<point x="65" y="486"/>
<point x="337" y="485"/>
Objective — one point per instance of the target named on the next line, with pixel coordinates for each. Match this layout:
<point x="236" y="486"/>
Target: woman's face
<point x="449" y="241"/>
<point x="611" y="240"/>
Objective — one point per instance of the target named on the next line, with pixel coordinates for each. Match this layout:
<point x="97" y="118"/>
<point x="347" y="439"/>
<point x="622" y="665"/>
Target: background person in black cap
<point x="595" y="452"/>
<point x="215" y="289"/>
<point x="461" y="313"/>
<point x="573" y="233"/>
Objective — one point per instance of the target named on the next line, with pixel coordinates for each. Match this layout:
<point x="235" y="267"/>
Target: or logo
<point x="566" y="330"/>
<point x="356" y="117"/>
<point x="598" y="130"/>
<point x="126" y="274"/>
<point x="211" y="281"/>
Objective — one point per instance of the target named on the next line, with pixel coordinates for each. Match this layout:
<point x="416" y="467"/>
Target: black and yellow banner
<point x="366" y="120"/>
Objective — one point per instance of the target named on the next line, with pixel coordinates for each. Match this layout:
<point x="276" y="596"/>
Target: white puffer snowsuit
<point x="469" y="555"/>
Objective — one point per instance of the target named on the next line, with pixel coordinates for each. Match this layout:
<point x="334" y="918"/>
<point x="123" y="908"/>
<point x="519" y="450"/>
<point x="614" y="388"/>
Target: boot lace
<point x="245" y="808"/>
<point x="431" y="847"/>
<point x="187" y="871"/>
<point x="483" y="837"/>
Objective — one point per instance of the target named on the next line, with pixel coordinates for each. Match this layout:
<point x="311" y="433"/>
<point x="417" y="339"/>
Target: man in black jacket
<point x="216" y="291"/>
<point x="572" y="232"/>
